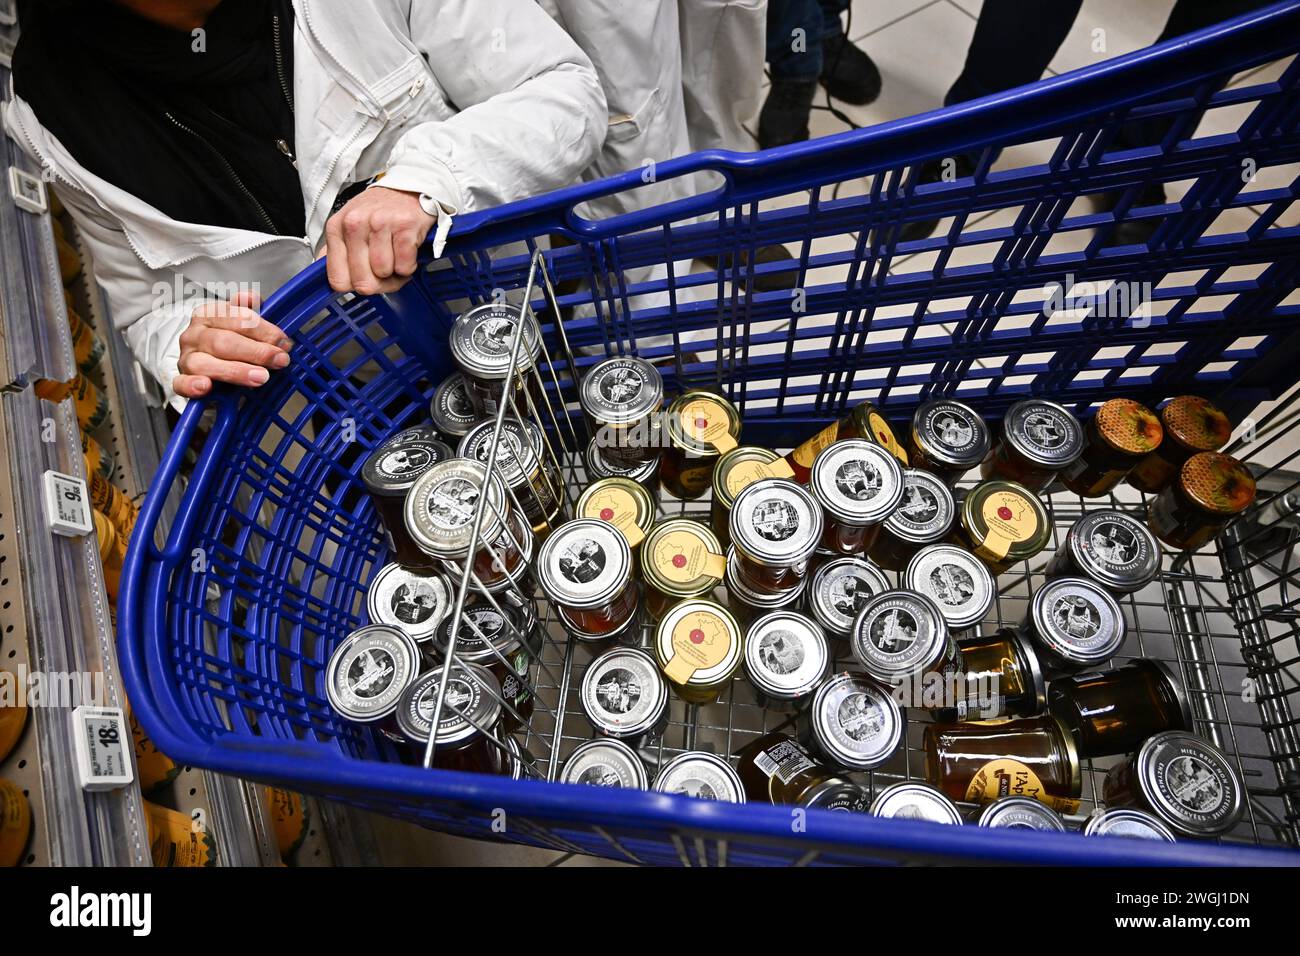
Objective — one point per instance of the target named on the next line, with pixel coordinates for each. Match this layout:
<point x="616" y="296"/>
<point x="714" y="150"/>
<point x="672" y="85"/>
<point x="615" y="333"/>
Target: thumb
<point x="247" y="298"/>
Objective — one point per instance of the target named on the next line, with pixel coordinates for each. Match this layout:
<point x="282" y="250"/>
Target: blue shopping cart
<point x="228" y="615"/>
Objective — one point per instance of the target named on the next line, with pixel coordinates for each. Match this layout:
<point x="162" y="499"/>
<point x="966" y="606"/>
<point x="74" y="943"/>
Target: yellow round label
<point x="745" y="473"/>
<point x="885" y="435"/>
<point x="618" y="507"/>
<point x="700" y="641"/>
<point x="1011" y="778"/>
<point x="1010" y="519"/>
<point x="808" y="451"/>
<point x="682" y="557"/>
<point x="696" y="479"/>
<point x="707" y="422"/>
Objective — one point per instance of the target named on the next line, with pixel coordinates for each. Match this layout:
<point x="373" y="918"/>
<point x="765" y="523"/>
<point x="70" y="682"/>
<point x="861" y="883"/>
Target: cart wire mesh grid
<point x="229" y="614"/>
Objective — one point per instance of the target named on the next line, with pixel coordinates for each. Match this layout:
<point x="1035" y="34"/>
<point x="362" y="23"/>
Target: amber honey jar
<point x="786" y="658"/>
<point x="858" y="485"/>
<point x="605" y="763"/>
<point x="1002" y="678"/>
<point x="585" y="568"/>
<point x="698" y="646"/>
<point x="1110" y="548"/>
<point x="523" y="462"/>
<point x="622" y="503"/>
<point x="1191" y="425"/>
<point x="777" y="768"/>
<point x="1184" y="781"/>
<point x="389" y="474"/>
<point x="776" y="526"/>
<point x="839" y="589"/>
<point x="959" y="584"/>
<point x="865" y="422"/>
<point x="369" y="671"/>
<point x="899" y="636"/>
<point x="856" y="724"/>
<point x="1116" y="438"/>
<point x="924" y="516"/>
<point x="1211" y="490"/>
<point x="624" y="696"/>
<point x="736" y="471"/>
<point x="948" y="439"/>
<point x="411" y="600"/>
<point x="497" y="637"/>
<point x="984" y="761"/>
<point x="680" y="559"/>
<point x="645" y="474"/>
<point x="451" y="409"/>
<point x="909" y="800"/>
<point x="749" y="605"/>
<point x="702" y="426"/>
<point x="621" y="398"/>
<point x="1112" y="712"/>
<point x="1003" y="523"/>
<point x="470" y="715"/>
<point x="1039" y="439"/>
<point x="481" y="341"/>
<point x="1074" y="625"/>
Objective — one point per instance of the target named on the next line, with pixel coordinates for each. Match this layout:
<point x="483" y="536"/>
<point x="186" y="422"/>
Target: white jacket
<point x="475" y="102"/>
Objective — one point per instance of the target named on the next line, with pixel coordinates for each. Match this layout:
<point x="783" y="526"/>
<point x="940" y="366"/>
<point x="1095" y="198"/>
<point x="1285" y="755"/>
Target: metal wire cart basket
<point x="228" y="614"/>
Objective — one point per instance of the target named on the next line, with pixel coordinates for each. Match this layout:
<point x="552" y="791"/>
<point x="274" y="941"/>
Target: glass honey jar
<point x="698" y="646"/>
<point x="839" y="589"/>
<point x="497" y="637"/>
<point x="1112" y="712"/>
<point x="776" y="768"/>
<point x="368" y="672"/>
<point x="620" y="398"/>
<point x="1191" y="425"/>
<point x="481" y="341"/>
<point x="736" y="471"/>
<point x="410" y="600"/>
<point x="1185" y="782"/>
<point x="776" y="525"/>
<point x="1074" y="625"/>
<point x="786" y="659"/>
<point x="1118" y="436"/>
<point x="1039" y="440"/>
<point x="467" y="723"/>
<point x="702" y="426"/>
<point x="419" y="432"/>
<point x="865" y="421"/>
<point x="1127" y="822"/>
<point x="856" y="724"/>
<point x="451" y="409"/>
<point x="924" y="516"/>
<point x="1211" y="490"/>
<point x="622" y="503"/>
<point x="532" y="480"/>
<point x="645" y="474"/>
<point x="948" y="439"/>
<point x="858" y="485"/>
<point x="1021" y="813"/>
<point x="702" y="776"/>
<point x="605" y="763"/>
<point x="680" y="559"/>
<point x="910" y="800"/>
<point x="624" y="695"/>
<point x="389" y="473"/>
<point x="1002" y="523"/>
<point x="959" y="584"/>
<point x="749" y="605"/>
<point x="585" y="569"/>
<point x="1109" y="548"/>
<point x="901" y="635"/>
<point x="1002" y="677"/>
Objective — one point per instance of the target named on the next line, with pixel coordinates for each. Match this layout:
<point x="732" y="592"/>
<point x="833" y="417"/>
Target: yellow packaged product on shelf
<point x="13" y="712"/>
<point x="15" y="824"/>
<point x="155" y="769"/>
<point x="177" y="841"/>
<point x="92" y="404"/>
<point x="69" y="261"/>
<point x="97" y="460"/>
<point x="112" y="552"/>
<point x="108" y="498"/>
<point x="289" y="816"/>
<point x="87" y="346"/>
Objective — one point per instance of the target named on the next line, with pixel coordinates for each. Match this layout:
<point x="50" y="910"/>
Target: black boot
<point x="848" y="73"/>
<point x="784" y="119"/>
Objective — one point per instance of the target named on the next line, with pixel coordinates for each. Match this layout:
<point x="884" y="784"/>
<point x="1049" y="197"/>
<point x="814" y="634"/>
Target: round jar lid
<point x="1195" y="424"/>
<point x="899" y="634"/>
<point x="393" y="469"/>
<point x="915" y="801"/>
<point x="702" y="776"/>
<point x="620" y="502"/>
<point x="698" y="644"/>
<point x="682" y="558"/>
<point x="857" y="482"/>
<point x="785" y="655"/>
<point x="1129" y="427"/>
<point x="738" y="590"/>
<point x="408" y="600"/>
<point x="518" y="451"/>
<point x="1127" y="822"/>
<point x="1115" y="550"/>
<point x="584" y="563"/>
<point x="838" y="795"/>
<point x="598" y="466"/>
<point x="741" y="467"/>
<point x="840" y="588"/>
<point x="481" y="341"/>
<point x="925" y="511"/>
<point x="1189" y="784"/>
<point x="950" y="433"/>
<point x="1043" y="432"/>
<point x="621" y="390"/>
<point x="1077" y="621"/>
<point x="1021" y="813"/>
<point x="623" y="693"/>
<point x="414" y="433"/>
<point x="703" y="423"/>
<point x="440" y="508"/>
<point x="775" y="522"/>
<point x="484" y="630"/>
<point x="451" y="408"/>
<point x="958" y="583"/>
<point x="856" y="723"/>
<point x="369" y="670"/>
<point x="1218" y="483"/>
<point x="605" y="763"/>
<point x="473" y="698"/>
<point x="1006" y="520"/>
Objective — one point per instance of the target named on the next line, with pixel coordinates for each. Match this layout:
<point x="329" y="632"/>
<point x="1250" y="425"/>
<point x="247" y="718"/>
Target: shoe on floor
<point x="848" y="73"/>
<point x="784" y="119"/>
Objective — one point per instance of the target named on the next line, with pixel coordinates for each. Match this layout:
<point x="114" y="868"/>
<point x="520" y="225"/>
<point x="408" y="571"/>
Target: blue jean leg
<point x="796" y="30"/>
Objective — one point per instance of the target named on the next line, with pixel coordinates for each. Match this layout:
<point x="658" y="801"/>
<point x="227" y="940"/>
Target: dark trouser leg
<point x="1013" y="43"/>
<point x="795" y="29"/>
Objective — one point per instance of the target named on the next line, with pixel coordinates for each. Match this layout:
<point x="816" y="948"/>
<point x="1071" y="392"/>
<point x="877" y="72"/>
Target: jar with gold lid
<point x="1185" y="782"/>
<point x="1192" y="425"/>
<point x="776" y="768"/>
<point x="856" y="724"/>
<point x="839" y="589"/>
<point x="1074" y="625"/>
<point x="1112" y="712"/>
<point x="786" y="658"/>
<point x="1002" y="678"/>
<point x="736" y="471"/>
<point x="776" y="526"/>
<point x="858" y="485"/>
<point x="1118" y="436"/>
<point x="680" y="559"/>
<point x="698" y="646"/>
<point x="701" y="426"/>
<point x="959" y="584"/>
<point x="1110" y="548"/>
<point x="1003" y="523"/>
<point x="620" y="398"/>
<point x="924" y="517"/>
<point x="532" y="480"/>
<point x="1039" y="440"/>
<point x="605" y="763"/>
<point x="470" y="714"/>
<point x="865" y="421"/>
<point x="910" y="800"/>
<point x="749" y="605"/>
<point x="585" y="568"/>
<point x="645" y="474"/>
<point x="622" y="503"/>
<point x="451" y="409"/>
<point x="389" y="474"/>
<point x="948" y="439"/>
<point x="899" y="636"/>
<point x="1211" y="490"/>
<point x="481" y="341"/>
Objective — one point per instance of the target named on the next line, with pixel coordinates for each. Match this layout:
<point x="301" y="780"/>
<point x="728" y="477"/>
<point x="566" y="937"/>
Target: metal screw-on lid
<point x="899" y="634"/>
<point x="585" y="563"/>
<point x="620" y="502"/>
<point x="1021" y="813"/>
<point x="926" y="510"/>
<point x="1127" y="822"/>
<point x="473" y="698"/>
<point x="368" y="672"/>
<point x="518" y="451"/>
<point x="414" y="433"/>
<point x="855" y="722"/>
<point x="738" y="590"/>
<point x="1189" y="784"/>
<point x="840" y="588"/>
<point x="698" y="644"/>
<point x="1076" y="621"/>
<point x="776" y="523"/>
<point x="1006" y="520"/>
<point x="1115" y="550"/>
<point x="621" y="390"/>
<point x="741" y="467"/>
<point x="857" y="482"/>
<point x="440" y="508"/>
<point x="958" y="583"/>
<point x="785" y="655"/>
<point x="703" y="423"/>
<point x="915" y="801"/>
<point x="392" y="470"/>
<point x="623" y="693"/>
<point x="682" y="558"/>
<point x="1195" y="424"/>
<point x="408" y="600"/>
<point x="1128" y="426"/>
<point x="451" y="408"/>
<point x="701" y="775"/>
<point x="950" y="433"/>
<point x="1218" y="483"/>
<point x="1043" y="432"/>
<point x="598" y="466"/>
<point x="838" y="795"/>
<point x="481" y="341"/>
<point x="605" y="763"/>
<point x="483" y="628"/>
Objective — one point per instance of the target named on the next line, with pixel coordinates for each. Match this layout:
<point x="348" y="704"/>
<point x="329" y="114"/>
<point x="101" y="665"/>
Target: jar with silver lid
<point x="408" y="600"/>
<point x="624" y="695"/>
<point x="924" y="517"/>
<point x="481" y="341"/>
<point x="605" y="763"/>
<point x="959" y="584"/>
<point x="497" y="636"/>
<point x="702" y="776"/>
<point x="621" y="398"/>
<point x="645" y="474"/>
<point x="1039" y="439"/>
<point x="1183" y="780"/>
<point x="585" y="568"/>
<point x="414" y="433"/>
<point x="1127" y="822"/>
<point x="909" y="800"/>
<point x="534" y="485"/>
<point x="469" y="716"/>
<point x="775" y="527"/>
<point x="900" y="636"/>
<point x="948" y="439"/>
<point x="698" y="646"/>
<point x="786" y="658"/>
<point x="389" y="474"/>
<point x="1110" y="548"/>
<point x="735" y="471"/>
<point x="839" y="589"/>
<point x="1074" y="625"/>
<point x="451" y="408"/>
<point x="859" y="485"/>
<point x="1021" y="813"/>
<point x="856" y="724"/>
<point x="749" y="605"/>
<point x="369" y="671"/>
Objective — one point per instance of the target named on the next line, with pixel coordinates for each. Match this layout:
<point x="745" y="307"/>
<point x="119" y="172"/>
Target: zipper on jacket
<point x="279" y="61"/>
<point x="234" y="177"/>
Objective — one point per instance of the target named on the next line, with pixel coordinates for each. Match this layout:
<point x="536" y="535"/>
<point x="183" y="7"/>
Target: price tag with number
<point x="101" y="736"/>
<point x="67" y="505"/>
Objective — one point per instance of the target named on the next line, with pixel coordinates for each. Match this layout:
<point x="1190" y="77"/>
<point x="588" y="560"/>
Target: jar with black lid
<point x="900" y="635"/>
<point x="621" y="398"/>
<point x="698" y="646"/>
<point x="1192" y="425"/>
<point x="481" y="341"/>
<point x="585" y="568"/>
<point x="839" y="589"/>
<point x="856" y="724"/>
<point x="775" y="528"/>
<point x="736" y="471"/>
<point x="534" y="484"/>
<point x="948" y="439"/>
<point x="1127" y="822"/>
<point x="451" y="408"/>
<point x="1003" y="523"/>
<point x="645" y="474"/>
<point x="497" y="637"/>
<point x="1184" y="781"/>
<point x="1002" y="678"/>
<point x="1116" y="438"/>
<point x="702" y="426"/>
<point x="703" y="776"/>
<point x="924" y="517"/>
<point x="1211" y="490"/>
<point x="411" y="601"/>
<point x="413" y="433"/>
<point x="605" y="763"/>
<point x="680" y="559"/>
<point x="1074" y="625"/>
<point x="1111" y="549"/>
<point x="1021" y="813"/>
<point x="909" y="800"/>
<point x="1112" y="712"/>
<point x="959" y="584"/>
<point x="622" y="503"/>
<point x="786" y="658"/>
<point x="749" y="605"/>
<point x="389" y="474"/>
<point x="865" y="421"/>
<point x="470" y="715"/>
<point x="1039" y="440"/>
<point x="624" y="696"/>
<point x="369" y="671"/>
<point x="859" y="485"/>
<point x="778" y="769"/>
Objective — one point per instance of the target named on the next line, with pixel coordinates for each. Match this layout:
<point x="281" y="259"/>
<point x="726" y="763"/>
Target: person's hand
<point x="371" y="243"/>
<point x="229" y="342"/>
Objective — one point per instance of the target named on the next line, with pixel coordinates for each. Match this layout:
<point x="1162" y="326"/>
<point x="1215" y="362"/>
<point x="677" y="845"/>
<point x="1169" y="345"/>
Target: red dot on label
<point x="1004" y="513"/>
<point x="679" y="560"/>
<point x="606" y="513"/>
<point x="697" y="636"/>
<point x="701" y="423"/>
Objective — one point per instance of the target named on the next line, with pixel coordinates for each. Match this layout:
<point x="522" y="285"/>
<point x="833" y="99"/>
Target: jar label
<point x="883" y="434"/>
<point x="618" y="507"/>
<point x="700" y="641"/>
<point x="682" y="557"/>
<point x="784" y="761"/>
<point x="696" y="479"/>
<point x="805" y="453"/>
<point x="1011" y="778"/>
<point x="1009" y="519"/>
<point x="745" y="473"/>
<point x="707" y="422"/>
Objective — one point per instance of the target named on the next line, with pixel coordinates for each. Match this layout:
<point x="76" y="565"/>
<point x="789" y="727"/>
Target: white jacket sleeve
<point x="531" y="110"/>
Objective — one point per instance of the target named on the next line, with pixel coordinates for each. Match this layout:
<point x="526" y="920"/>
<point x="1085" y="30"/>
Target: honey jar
<point x="1021" y="813"/>
<point x="605" y="763"/>
<point x="775" y="528"/>
<point x="15" y="823"/>
<point x="389" y="474"/>
<point x="112" y="552"/>
<point x="412" y="601"/>
<point x="1191" y="425"/>
<point x="786" y="658"/>
<point x="481" y="341"/>
<point x="499" y="638"/>
<point x="778" y="769"/>
<point x="924" y="517"/>
<point x="1005" y="664"/>
<point x="368" y="672"/>
<point x="1118" y="436"/>
<point x="87" y="347"/>
<point x="1111" y="549"/>
<point x="585" y="568"/>
<point x="621" y="398"/>
<point x="703" y="776"/>
<point x="856" y="725"/>
<point x="533" y="482"/>
<point x="645" y="474"/>
<point x="839" y="589"/>
<point x="1002" y="524"/>
<point x="1039" y="440"/>
<point x="1074" y="625"/>
<point x="629" y="633"/>
<point x="1211" y="490"/>
<point x="702" y="426"/>
<point x="909" y="800"/>
<point x="948" y="439"/>
<point x="451" y="409"/>
<point x="1127" y="822"/>
<point x="698" y="647"/>
<point x="1182" y="780"/>
<point x="958" y="583"/>
<point x="624" y="695"/>
<point x="420" y="432"/>
<point x="900" y="635"/>
<point x="749" y="605"/>
<point x="466" y="724"/>
<point x="622" y="503"/>
<point x="1112" y="712"/>
<point x="858" y="484"/>
<point x="736" y="471"/>
<point x="865" y="421"/>
<point x="680" y="559"/>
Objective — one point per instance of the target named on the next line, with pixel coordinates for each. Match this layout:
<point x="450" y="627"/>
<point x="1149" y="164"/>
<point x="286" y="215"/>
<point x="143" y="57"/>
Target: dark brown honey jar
<point x="1184" y="781"/>
<point x="1111" y="549"/>
<point x="924" y="516"/>
<point x="749" y="605"/>
<point x="680" y="559"/>
<point x="497" y="637"/>
<point x="645" y="474"/>
<point x="481" y="341"/>
<point x="1002" y="678"/>
<point x="470" y="716"/>
<point x="736" y="471"/>
<point x="1118" y="436"/>
<point x="778" y="769"/>
<point x="1192" y="425"/>
<point x="389" y="474"/>
<point x="1039" y="440"/>
<point x="621" y="398"/>
<point x="858" y="485"/>
<point x="1003" y="523"/>
<point x="585" y="568"/>
<point x="839" y="589"/>
<point x="776" y="525"/>
<point x="1112" y="712"/>
<point x="1074" y="625"/>
<point x="702" y="426"/>
<point x="534" y="484"/>
<point x="1211" y="490"/>
<point x="856" y="724"/>
<point x="948" y="439"/>
<point x="865" y="421"/>
<point x="622" y="503"/>
<point x="451" y="409"/>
